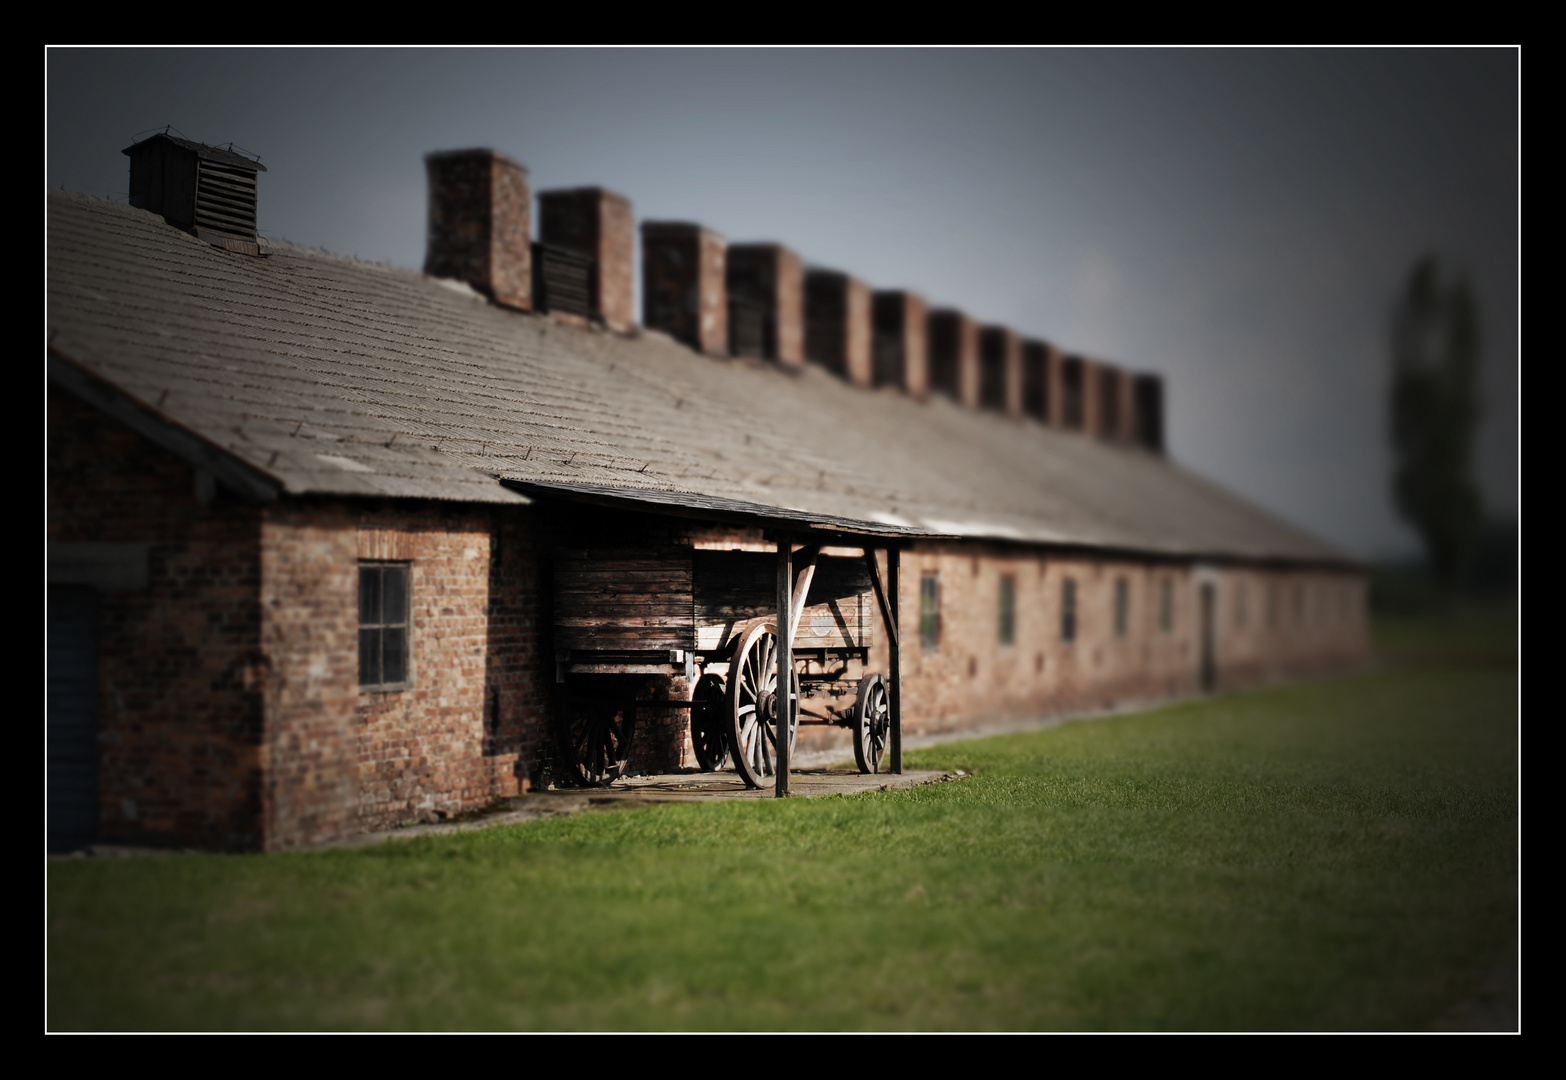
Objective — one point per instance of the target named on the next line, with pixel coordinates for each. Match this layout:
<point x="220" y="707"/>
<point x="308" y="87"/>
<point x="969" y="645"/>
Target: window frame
<point x="389" y="620"/>
<point x="1006" y="611"/>
<point x="929" y="611"/>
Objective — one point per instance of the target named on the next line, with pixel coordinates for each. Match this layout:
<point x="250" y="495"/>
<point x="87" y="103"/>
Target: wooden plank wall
<point x="734" y="588"/>
<point x="619" y="598"/>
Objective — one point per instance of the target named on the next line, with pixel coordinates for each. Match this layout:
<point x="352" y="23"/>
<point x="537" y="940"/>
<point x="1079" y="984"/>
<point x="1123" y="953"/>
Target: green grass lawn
<point x="1339" y="854"/>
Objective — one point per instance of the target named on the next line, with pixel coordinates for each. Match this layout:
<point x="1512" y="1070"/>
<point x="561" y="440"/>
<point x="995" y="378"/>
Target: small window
<point x="1007" y="614"/>
<point x="930" y="611"/>
<point x="1122" y="606"/>
<point x="1166" y="605"/>
<point x="383" y="625"/>
<point x="1068" y="610"/>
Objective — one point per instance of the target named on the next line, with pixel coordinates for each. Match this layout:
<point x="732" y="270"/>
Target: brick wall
<point x="310" y="638"/>
<point x="181" y="673"/>
<point x="470" y="722"/>
<point x="970" y="675"/>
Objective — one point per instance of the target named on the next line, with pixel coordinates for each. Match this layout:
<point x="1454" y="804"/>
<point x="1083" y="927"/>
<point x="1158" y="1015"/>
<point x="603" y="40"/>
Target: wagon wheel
<point x="753" y="706"/>
<point x="709" y="723"/>
<point x="872" y="723"/>
<point x="595" y="738"/>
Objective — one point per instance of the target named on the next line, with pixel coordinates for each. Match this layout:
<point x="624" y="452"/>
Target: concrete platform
<point x="682" y="787"/>
<point x="695" y="786"/>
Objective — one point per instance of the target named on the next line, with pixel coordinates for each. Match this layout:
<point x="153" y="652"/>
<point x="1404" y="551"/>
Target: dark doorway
<point x="1209" y="671"/>
<point x="72" y="707"/>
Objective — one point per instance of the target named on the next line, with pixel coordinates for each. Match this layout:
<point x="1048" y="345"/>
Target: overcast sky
<point x="1238" y="221"/>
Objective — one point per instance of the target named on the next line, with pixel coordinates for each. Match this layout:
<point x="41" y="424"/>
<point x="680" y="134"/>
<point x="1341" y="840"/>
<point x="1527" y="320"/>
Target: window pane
<point x="394" y="609"/>
<point x="1068" y="610"/>
<point x="1008" y="609"/>
<point x="369" y="657"/>
<point x="929" y="611"/>
<point x="369" y="595"/>
<point x="394" y="655"/>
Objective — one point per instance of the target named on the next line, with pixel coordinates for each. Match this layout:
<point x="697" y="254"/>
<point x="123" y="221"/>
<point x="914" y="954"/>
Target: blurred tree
<point x="1435" y="410"/>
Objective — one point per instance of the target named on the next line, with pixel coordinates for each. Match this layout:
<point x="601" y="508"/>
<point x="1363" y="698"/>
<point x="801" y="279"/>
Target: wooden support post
<point x="880" y="597"/>
<point x="784" y="703"/>
<point x="895" y="643"/>
<point x="807" y="574"/>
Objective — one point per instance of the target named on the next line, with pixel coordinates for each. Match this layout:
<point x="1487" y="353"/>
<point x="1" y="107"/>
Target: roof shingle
<point x="334" y="375"/>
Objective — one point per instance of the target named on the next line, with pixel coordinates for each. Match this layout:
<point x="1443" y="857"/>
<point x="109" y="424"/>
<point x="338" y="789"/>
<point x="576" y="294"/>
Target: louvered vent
<point x="562" y="280"/>
<point x="198" y="188"/>
<point x="748" y="328"/>
<point x="225" y="203"/>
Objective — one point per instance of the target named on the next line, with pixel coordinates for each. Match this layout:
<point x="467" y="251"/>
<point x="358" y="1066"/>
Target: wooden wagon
<point x="629" y="621"/>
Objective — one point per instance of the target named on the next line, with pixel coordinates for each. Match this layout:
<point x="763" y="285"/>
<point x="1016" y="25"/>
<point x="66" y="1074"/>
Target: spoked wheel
<point x="872" y="724"/>
<point x="753" y="706"/>
<point x="595" y="738"/>
<point x="709" y="723"/>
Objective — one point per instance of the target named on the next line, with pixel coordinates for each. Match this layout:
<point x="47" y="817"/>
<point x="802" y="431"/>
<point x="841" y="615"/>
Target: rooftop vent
<point x="198" y="188"/>
<point x="562" y="280"/>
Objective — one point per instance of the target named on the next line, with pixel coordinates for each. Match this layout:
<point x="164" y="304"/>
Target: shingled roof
<point x="317" y="373"/>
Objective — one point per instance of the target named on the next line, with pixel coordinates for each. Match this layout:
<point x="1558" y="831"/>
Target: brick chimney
<point x="1000" y="370"/>
<point x="599" y="225"/>
<point x="683" y="284"/>
<point x="1056" y="403"/>
<point x="1037" y="372"/>
<point x="1127" y="431"/>
<point x="1148" y="394"/>
<point x="1110" y="415"/>
<point x="480" y="211"/>
<point x="899" y="350"/>
<point x="1073" y="378"/>
<point x="837" y="325"/>
<point x="1092" y="397"/>
<point x="766" y="284"/>
<point x="954" y="355"/>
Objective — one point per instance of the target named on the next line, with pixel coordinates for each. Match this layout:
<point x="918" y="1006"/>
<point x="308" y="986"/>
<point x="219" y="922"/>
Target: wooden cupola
<point x="201" y="189"/>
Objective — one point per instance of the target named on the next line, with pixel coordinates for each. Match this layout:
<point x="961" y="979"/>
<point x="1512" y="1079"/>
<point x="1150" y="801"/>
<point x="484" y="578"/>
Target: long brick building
<point x="307" y="515"/>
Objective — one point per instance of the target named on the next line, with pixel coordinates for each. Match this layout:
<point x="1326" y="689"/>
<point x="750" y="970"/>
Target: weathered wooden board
<point x="733" y="588"/>
<point x="674" y="598"/>
<point x="623" y="598"/>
